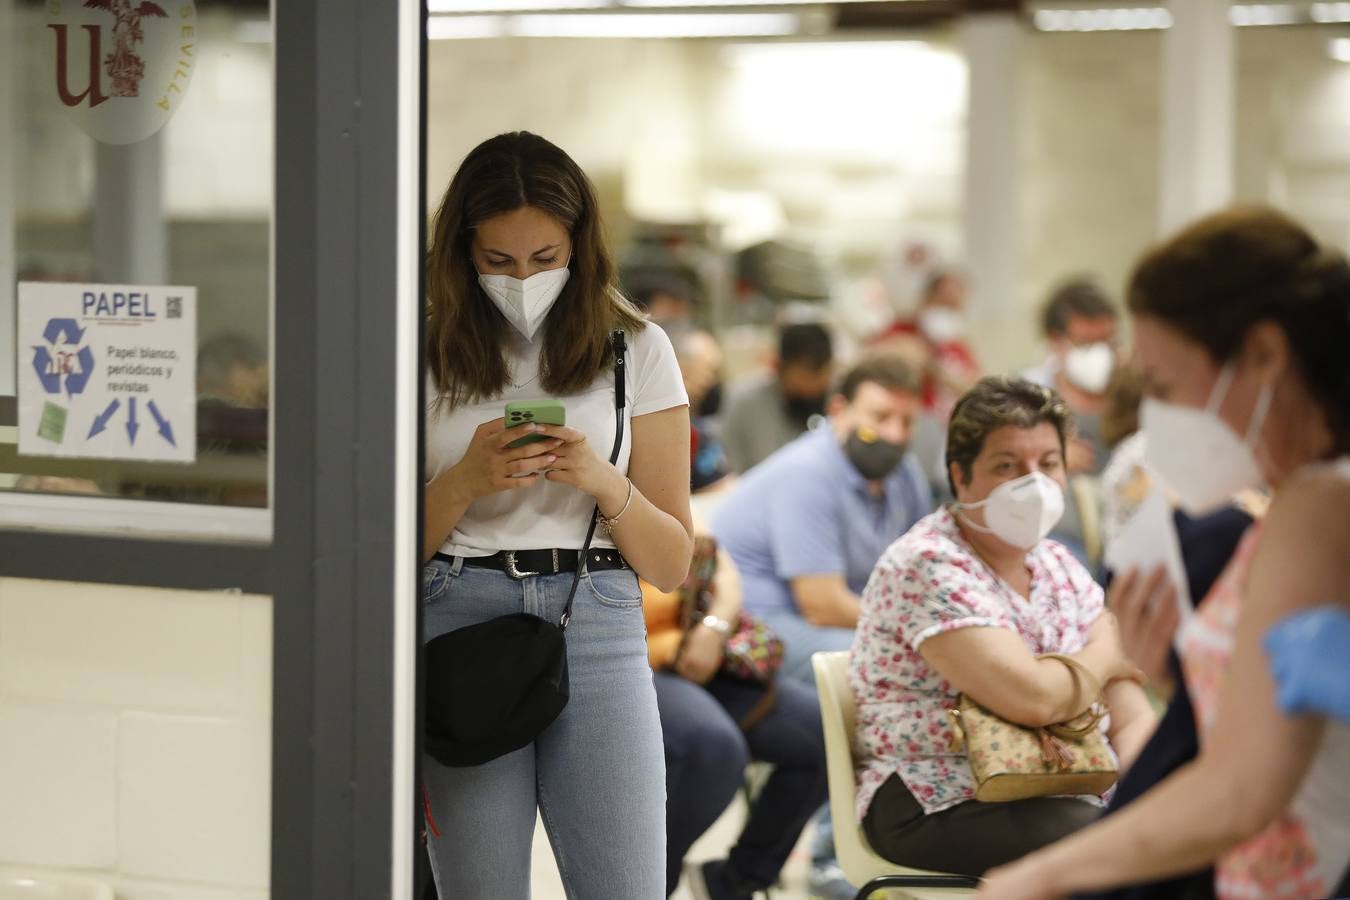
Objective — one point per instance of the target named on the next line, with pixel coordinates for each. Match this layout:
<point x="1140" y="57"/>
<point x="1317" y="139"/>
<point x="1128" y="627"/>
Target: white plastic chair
<point x="17" y="884"/>
<point x="861" y="864"/>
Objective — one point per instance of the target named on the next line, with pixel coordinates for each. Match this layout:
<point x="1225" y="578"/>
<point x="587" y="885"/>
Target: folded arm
<point x="994" y="667"/>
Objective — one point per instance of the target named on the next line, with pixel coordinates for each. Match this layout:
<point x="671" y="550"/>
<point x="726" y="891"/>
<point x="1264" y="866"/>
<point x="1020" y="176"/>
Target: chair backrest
<point x="837" y="715"/>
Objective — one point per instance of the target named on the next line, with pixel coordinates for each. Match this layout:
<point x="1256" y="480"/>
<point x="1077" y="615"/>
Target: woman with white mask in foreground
<point x="1242" y="324"/>
<point x="967" y="603"/>
<point x="523" y="314"/>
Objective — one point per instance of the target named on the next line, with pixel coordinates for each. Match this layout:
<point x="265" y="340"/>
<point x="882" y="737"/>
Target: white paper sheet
<point x="1149" y="540"/>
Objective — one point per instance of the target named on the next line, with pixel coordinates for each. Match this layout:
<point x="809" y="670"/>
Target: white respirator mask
<point x="1194" y="451"/>
<point x="525" y="303"/>
<point x="1089" y="368"/>
<point x="1020" y="512"/>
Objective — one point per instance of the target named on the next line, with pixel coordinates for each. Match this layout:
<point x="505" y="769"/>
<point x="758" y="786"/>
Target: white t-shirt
<point x="548" y="515"/>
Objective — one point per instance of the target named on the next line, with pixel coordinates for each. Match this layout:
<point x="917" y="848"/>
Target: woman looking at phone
<point x="521" y="303"/>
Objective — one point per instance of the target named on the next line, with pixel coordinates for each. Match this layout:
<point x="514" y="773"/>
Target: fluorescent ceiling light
<point x="1340" y="49"/>
<point x="444" y="28"/>
<point x="494" y="6"/>
<point x="680" y="3"/>
<point x="1145" y="18"/>
<point x="1331" y="12"/>
<point x="1247" y="14"/>
<point x="616" y="25"/>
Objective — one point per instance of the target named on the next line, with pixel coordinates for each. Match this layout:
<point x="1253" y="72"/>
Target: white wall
<point x="135" y="737"/>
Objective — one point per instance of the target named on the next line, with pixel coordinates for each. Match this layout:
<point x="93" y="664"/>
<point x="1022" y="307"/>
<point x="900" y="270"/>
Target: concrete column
<point x="992" y="204"/>
<point x="10" y="77"/>
<point x="1198" y="87"/>
<point x="131" y="238"/>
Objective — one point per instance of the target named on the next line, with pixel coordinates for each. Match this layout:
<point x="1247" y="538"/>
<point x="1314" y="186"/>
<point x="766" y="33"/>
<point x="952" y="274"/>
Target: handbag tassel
<point x="1053" y="751"/>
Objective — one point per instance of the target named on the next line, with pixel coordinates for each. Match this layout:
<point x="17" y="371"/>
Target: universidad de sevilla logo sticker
<point x="121" y="68"/>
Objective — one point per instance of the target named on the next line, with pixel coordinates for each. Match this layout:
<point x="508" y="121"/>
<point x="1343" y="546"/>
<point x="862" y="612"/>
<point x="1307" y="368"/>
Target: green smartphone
<point x="544" y="412"/>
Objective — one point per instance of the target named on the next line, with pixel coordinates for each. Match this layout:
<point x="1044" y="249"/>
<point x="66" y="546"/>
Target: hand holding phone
<point x="539" y="412"/>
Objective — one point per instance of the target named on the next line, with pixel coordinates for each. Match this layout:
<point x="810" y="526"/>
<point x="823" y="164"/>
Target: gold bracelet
<point x="606" y="522"/>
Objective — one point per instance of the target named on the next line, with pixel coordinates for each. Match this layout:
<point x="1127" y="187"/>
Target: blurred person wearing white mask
<point x="967" y="602"/>
<point x="934" y="340"/>
<point x="1078" y="324"/>
<point x="1242" y="323"/>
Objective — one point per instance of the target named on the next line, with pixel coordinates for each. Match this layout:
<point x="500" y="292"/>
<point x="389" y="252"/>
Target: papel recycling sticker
<point x="107" y="371"/>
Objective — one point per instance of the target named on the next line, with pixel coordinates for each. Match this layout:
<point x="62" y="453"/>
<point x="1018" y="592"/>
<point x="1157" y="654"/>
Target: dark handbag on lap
<point x="491" y="688"/>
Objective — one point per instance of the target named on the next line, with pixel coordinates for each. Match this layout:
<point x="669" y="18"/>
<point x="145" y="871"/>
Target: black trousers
<point x="969" y="838"/>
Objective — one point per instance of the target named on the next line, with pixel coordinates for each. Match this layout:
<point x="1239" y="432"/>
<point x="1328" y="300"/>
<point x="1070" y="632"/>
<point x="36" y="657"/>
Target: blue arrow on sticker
<point x="42" y="363"/>
<point x="101" y="421"/>
<point x="68" y="327"/>
<point x="132" y="427"/>
<point x="76" y="381"/>
<point x="165" y="429"/>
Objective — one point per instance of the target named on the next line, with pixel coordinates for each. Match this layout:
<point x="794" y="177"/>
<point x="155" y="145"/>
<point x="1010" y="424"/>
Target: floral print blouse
<point x="927" y="583"/>
<point x="1306" y="849"/>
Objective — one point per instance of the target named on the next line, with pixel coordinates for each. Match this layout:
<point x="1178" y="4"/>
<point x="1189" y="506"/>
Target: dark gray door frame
<point x="344" y="563"/>
<point x="346" y="552"/>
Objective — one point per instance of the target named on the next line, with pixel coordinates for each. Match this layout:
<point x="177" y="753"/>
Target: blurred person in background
<point x="934" y="341"/>
<point x="666" y="297"/>
<point x="700" y="360"/>
<point x="716" y="718"/>
<point x="1124" y="481"/>
<point x="1241" y="325"/>
<point x="1078" y="324"/>
<point x="768" y="410"/>
<point x="806" y="527"/>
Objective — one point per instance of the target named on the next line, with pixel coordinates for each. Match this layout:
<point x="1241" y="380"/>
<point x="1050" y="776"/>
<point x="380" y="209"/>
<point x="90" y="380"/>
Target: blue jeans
<point x="706" y="754"/>
<point x="596" y="775"/>
<point x="800" y="640"/>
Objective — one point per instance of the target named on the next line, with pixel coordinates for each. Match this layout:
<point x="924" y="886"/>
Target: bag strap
<point x="1081" y="675"/>
<point x="620" y="347"/>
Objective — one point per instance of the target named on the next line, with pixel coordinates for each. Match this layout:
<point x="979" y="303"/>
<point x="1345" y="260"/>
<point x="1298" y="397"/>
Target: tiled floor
<point x="712" y="845"/>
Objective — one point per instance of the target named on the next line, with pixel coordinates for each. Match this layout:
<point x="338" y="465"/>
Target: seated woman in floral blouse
<point x="964" y="603"/>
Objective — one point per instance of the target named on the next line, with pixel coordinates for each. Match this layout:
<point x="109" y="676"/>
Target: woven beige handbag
<point x="1014" y="762"/>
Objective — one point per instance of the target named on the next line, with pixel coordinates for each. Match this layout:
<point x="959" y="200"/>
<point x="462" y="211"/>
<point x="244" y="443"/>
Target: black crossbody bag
<point x="491" y="688"/>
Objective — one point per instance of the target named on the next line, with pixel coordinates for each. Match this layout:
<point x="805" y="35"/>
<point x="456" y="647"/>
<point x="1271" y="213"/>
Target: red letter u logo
<point x="95" y="89"/>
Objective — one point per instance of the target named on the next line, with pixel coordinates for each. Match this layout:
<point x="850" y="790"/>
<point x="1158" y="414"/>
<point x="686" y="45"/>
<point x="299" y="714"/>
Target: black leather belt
<point x="525" y="563"/>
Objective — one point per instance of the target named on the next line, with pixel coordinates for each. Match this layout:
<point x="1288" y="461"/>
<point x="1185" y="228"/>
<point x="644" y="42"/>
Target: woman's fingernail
<point x="553" y="459"/>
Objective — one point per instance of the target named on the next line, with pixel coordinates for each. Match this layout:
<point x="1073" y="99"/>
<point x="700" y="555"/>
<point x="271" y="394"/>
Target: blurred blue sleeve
<point x="1310" y="661"/>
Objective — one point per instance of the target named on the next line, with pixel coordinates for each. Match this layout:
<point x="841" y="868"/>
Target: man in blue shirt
<point x="806" y="526"/>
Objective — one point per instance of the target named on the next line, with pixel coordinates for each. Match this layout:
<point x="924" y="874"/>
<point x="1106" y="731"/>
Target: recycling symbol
<point x="62" y="359"/>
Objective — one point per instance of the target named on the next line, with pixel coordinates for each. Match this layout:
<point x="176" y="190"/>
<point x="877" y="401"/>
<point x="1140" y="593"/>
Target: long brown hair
<point x="466" y="332"/>
<point x="1216" y="279"/>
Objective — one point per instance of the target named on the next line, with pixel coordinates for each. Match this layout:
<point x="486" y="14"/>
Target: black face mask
<point x="711" y="403"/>
<point x="802" y="409"/>
<point x="873" y="457"/>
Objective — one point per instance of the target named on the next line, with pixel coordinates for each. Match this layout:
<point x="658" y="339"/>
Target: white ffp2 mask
<point x="941" y="324"/>
<point x="1020" y="512"/>
<point x="1089" y="367"/>
<point x="1194" y="451"/>
<point x="525" y="303"/>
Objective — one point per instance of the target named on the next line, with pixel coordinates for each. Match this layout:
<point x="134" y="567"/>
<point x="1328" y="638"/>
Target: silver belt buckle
<point x="513" y="571"/>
